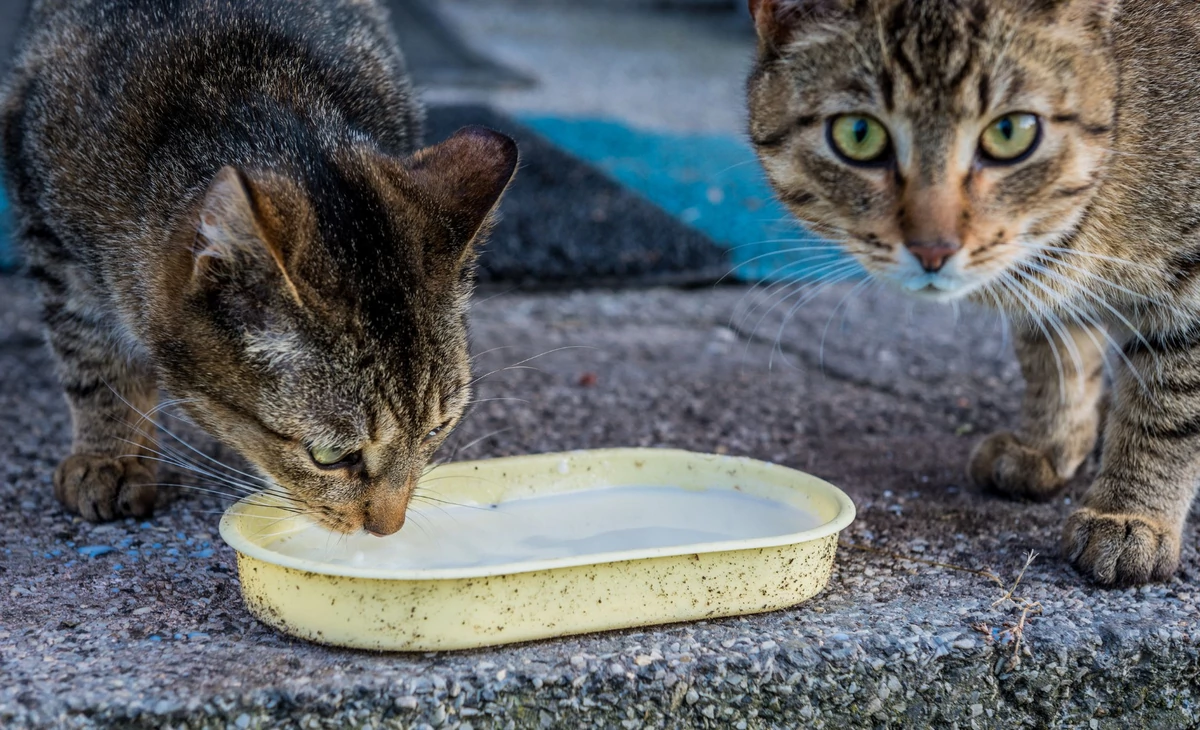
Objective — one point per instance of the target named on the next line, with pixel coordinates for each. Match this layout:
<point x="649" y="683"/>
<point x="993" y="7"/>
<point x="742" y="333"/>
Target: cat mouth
<point x="936" y="286"/>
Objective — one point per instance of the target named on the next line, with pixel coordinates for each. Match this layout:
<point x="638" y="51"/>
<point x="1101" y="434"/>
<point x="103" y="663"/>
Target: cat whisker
<point x="1086" y="254"/>
<point x="774" y="273"/>
<point x="522" y="365"/>
<point x="459" y="449"/>
<point x="805" y="297"/>
<point x="1004" y="323"/>
<point x="495" y="295"/>
<point x="805" y="291"/>
<point x="825" y="332"/>
<point x="822" y="274"/>
<point x="1030" y="304"/>
<point x="149" y="415"/>
<point x="421" y="511"/>
<point x="247" y="500"/>
<point x="491" y="350"/>
<point x="1091" y="319"/>
<point x="1059" y="327"/>
<point x="490" y="400"/>
<point x="1135" y="331"/>
<point x="773" y="280"/>
<point x="168" y="432"/>
<point x="436" y="501"/>
<point x="169" y="456"/>
<point x="1096" y="276"/>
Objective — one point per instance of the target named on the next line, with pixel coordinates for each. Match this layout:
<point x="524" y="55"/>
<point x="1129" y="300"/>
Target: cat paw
<point x="1120" y="549"/>
<point x="1005" y="465"/>
<point x="99" y="487"/>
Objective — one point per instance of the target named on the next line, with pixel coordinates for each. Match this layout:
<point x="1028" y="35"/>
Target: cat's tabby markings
<point x="225" y="198"/>
<point x="1040" y="156"/>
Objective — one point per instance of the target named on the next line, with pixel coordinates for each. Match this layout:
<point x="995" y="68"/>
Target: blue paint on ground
<point x="709" y="181"/>
<point x="8" y="251"/>
<point x="95" y="551"/>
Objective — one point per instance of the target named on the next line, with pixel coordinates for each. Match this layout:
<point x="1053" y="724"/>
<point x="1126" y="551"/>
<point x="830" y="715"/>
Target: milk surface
<point x="555" y="526"/>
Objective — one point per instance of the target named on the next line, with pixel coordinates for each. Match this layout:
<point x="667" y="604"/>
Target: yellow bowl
<point x="464" y="608"/>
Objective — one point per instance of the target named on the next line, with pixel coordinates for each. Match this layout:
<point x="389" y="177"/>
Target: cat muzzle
<point x="933" y="256"/>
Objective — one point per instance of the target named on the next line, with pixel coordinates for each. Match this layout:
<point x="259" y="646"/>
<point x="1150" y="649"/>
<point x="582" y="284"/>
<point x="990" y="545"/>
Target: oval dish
<point x="461" y="608"/>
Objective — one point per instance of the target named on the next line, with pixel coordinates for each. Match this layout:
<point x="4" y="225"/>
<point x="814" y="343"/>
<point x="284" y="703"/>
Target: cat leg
<point x="104" y="477"/>
<point x="1060" y="415"/>
<point x="1129" y="528"/>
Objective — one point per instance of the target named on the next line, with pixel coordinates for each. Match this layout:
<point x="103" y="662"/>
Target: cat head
<point x="317" y="319"/>
<point x="940" y="141"/>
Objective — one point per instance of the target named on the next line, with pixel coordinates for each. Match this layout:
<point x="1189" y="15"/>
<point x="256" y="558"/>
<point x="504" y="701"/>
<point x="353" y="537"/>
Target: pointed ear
<point x="230" y="230"/>
<point x="465" y="176"/>
<point x="228" y="225"/>
<point x="775" y="20"/>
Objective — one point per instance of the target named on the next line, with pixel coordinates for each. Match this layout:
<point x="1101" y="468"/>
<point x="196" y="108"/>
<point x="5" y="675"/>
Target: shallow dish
<point x="409" y="609"/>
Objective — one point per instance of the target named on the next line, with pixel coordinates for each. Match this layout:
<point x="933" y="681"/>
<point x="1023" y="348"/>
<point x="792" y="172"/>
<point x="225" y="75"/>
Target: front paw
<point x="1120" y="548"/>
<point x="1003" y="464"/>
<point x="100" y="487"/>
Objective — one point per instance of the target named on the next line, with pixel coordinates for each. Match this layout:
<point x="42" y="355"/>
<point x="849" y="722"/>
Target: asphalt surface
<point x="885" y="403"/>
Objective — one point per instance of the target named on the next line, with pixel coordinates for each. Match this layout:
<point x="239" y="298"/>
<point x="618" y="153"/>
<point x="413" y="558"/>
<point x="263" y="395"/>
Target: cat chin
<point x="936" y="288"/>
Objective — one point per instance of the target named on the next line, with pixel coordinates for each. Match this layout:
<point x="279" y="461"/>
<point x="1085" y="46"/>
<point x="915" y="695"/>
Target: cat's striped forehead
<point x="935" y="59"/>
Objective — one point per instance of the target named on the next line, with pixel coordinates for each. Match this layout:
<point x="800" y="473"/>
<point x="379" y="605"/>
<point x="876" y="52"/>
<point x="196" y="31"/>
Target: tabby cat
<point x="225" y="198"/>
<point x="1036" y="155"/>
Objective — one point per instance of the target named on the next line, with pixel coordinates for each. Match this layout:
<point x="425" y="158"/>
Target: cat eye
<point x="859" y="138"/>
<point x="433" y="434"/>
<point x="1011" y="138"/>
<point x="330" y="457"/>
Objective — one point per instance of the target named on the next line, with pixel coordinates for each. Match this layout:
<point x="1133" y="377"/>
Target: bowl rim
<point x="231" y="532"/>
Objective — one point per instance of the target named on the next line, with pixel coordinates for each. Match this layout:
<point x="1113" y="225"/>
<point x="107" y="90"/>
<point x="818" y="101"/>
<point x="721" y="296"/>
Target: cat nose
<point x="933" y="256"/>
<point x="382" y="520"/>
<point x="385" y="507"/>
<point x="381" y="525"/>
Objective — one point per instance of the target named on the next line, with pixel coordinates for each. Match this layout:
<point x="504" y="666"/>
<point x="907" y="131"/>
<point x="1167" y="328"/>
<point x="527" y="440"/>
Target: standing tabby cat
<point x="222" y="197"/>
<point x="1041" y="156"/>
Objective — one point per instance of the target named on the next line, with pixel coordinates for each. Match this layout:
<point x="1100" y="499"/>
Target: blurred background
<point x="630" y="116"/>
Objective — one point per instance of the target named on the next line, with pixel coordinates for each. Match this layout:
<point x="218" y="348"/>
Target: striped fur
<point x="1091" y="243"/>
<point x="223" y="198"/>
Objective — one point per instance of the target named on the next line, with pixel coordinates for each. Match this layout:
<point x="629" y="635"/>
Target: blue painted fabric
<point x="712" y="182"/>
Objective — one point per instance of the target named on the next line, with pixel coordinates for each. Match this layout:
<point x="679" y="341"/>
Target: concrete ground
<point x="910" y="632"/>
<point x="660" y="69"/>
<point x="880" y="398"/>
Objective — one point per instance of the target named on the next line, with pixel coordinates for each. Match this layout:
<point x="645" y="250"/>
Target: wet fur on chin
<point x="230" y="201"/>
<point x="1091" y="243"/>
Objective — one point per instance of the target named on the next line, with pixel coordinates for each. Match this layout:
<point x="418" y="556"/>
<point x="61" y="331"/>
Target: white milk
<point x="555" y="526"/>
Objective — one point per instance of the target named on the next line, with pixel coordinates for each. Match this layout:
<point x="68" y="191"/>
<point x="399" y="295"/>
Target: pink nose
<point x="933" y="256"/>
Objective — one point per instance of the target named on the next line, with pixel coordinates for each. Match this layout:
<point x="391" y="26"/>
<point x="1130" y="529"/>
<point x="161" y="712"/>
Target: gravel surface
<point x="139" y="624"/>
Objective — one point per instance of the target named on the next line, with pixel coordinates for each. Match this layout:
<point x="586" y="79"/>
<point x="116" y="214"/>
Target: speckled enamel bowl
<point x="426" y="610"/>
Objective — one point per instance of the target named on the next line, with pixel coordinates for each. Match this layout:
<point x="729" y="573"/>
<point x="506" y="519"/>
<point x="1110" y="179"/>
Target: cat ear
<point x="776" y="19"/>
<point x="230" y="231"/>
<point x="227" y="226"/>
<point x="465" y="177"/>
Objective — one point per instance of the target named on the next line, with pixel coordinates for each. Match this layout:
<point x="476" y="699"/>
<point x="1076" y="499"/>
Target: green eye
<point x="330" y="456"/>
<point x="1010" y="137"/>
<point x="859" y="138"/>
